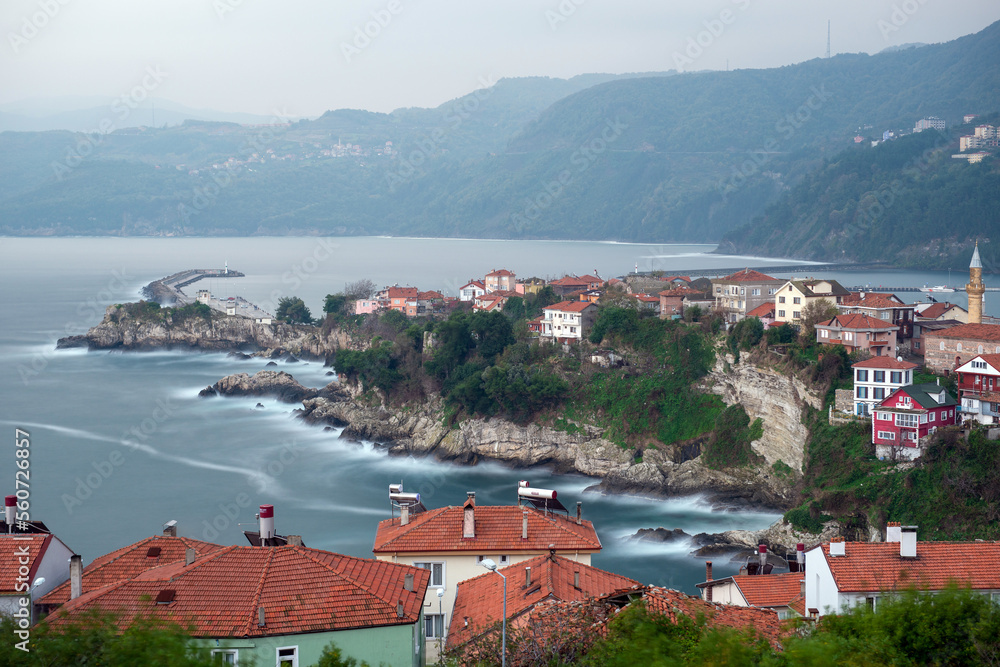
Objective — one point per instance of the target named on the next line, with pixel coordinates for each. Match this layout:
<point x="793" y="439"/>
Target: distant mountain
<point x="660" y="158"/>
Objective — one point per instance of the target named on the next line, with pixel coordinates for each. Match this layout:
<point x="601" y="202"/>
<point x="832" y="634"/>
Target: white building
<point x="44" y="555"/>
<point x="876" y="378"/>
<point x="470" y="290"/>
<point x="568" y="320"/>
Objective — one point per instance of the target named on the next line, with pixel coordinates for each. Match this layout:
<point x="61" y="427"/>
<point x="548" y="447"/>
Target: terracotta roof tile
<point x="480" y="600"/>
<point x="885" y="362"/>
<point x="403" y="292"/>
<point x="501" y="272"/>
<point x="936" y="310"/>
<point x="300" y="589"/>
<point x="130" y="561"/>
<point x="872" y="300"/>
<point x="878" y="566"/>
<point x="771" y="590"/>
<point x="498" y="530"/>
<point x="857" y="322"/>
<point x="763" y="310"/>
<point x="569" y="306"/>
<point x="747" y="276"/>
<point x="12" y="550"/>
<point x="973" y="331"/>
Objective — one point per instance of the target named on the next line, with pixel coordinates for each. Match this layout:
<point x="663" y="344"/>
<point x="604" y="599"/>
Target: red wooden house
<point x="909" y="415"/>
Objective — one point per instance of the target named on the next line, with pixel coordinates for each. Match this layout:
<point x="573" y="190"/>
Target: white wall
<point x="727" y="593"/>
<point x="821" y="589"/>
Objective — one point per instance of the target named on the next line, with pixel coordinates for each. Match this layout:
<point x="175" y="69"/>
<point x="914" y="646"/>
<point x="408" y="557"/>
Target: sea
<point x="121" y="443"/>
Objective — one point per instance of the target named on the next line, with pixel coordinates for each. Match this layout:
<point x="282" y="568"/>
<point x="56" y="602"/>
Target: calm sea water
<point x="122" y="444"/>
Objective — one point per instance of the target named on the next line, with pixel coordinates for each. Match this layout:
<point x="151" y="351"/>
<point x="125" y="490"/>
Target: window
<point x="437" y="573"/>
<point x="756" y="291"/>
<point x="907" y="380"/>
<point x="886" y="435"/>
<point x="942" y="344"/>
<point x="848" y="335"/>
<point x="980" y="349"/>
<point x="288" y="656"/>
<point x="781" y="299"/>
<point x="796" y="314"/>
<point x="958" y="347"/>
<point x="862" y="392"/>
<point x="824" y="333"/>
<point x="896" y="377"/>
<point x="923" y="419"/>
<point x="862" y="375"/>
<point x="879" y="393"/>
<point x="781" y="313"/>
<point x="433" y="626"/>
<point x="885" y="316"/>
<point x="227" y="656"/>
<point x="933" y="416"/>
<point x="908" y="421"/>
<point x="774" y="290"/>
<point x="504" y="560"/>
<point x="796" y="300"/>
<point x="879" y="376"/>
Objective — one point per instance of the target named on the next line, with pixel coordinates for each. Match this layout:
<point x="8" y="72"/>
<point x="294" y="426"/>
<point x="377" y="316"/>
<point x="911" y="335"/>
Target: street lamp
<point x="492" y="567"/>
<point x="440" y="595"/>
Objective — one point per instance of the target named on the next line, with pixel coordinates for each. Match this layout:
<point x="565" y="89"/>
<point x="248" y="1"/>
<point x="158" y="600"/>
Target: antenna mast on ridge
<point x="828" y="38"/>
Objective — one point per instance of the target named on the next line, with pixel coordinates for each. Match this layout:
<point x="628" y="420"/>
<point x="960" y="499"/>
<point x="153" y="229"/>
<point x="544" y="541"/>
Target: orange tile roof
<point x="423" y="296"/>
<point x="570" y="306"/>
<point x="885" y="362"/>
<point x="571" y="281"/>
<point x="989" y="332"/>
<point x="857" y="321"/>
<point x="300" y="589"/>
<point x="130" y="561"/>
<point x="477" y="283"/>
<point x="770" y="590"/>
<point x="12" y="549"/>
<point x="480" y="600"/>
<point x="992" y="359"/>
<point x="872" y="300"/>
<point x="878" y="566"/>
<point x="671" y="279"/>
<point x="402" y="292"/>
<point x="501" y="272"/>
<point x="498" y="530"/>
<point x="936" y="310"/>
<point x="747" y="276"/>
<point x="763" y="310"/>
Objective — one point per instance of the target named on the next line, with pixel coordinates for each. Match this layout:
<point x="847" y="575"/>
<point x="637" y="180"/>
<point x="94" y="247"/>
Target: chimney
<point x="838" y="547"/>
<point x="170" y="528"/>
<point x="75" y="576"/>
<point x="893" y="532"/>
<point x="266" y="523"/>
<point x="294" y="540"/>
<point x="399" y="609"/>
<point x="10" y="506"/>
<point x="404" y="515"/>
<point x="576" y="579"/>
<point x="469" y="520"/>
<point x="708" y="577"/>
<point x="408" y="582"/>
<point x="260" y="617"/>
<point x="908" y="542"/>
<point x="579" y="513"/>
<point x="800" y="556"/>
<point x="762" y="550"/>
<point x="524" y="525"/>
<point x="527" y="577"/>
<point x="189" y="555"/>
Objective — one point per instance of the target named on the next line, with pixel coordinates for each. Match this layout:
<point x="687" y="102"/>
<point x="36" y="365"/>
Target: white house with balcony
<point x="876" y="378"/>
<point x="568" y="321"/>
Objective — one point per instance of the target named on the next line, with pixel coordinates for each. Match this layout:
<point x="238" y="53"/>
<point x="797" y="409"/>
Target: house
<point x="569" y="284"/>
<point x="923" y="327"/>
<point x="940" y="310"/>
<point x="36" y="562"/>
<point x="648" y="302"/>
<point x="842" y="575"/>
<point x="500" y="281"/>
<point x="979" y="388"/>
<point x="781" y="593"/>
<point x="740" y="292"/>
<point x="403" y="299"/>
<point x="673" y="301"/>
<point x="876" y="378"/>
<point x="367" y="306"/>
<point x="902" y="422"/>
<point x="765" y="312"/>
<point x="792" y="297"/>
<point x="568" y="320"/>
<point x="479" y="601"/>
<point x="451" y="541"/>
<point x="947" y="349"/>
<point x="276" y="605"/>
<point x="529" y="286"/>
<point x="470" y="290"/>
<point x="858" y="332"/>
<point x="429" y="302"/>
<point x="885" y="307"/>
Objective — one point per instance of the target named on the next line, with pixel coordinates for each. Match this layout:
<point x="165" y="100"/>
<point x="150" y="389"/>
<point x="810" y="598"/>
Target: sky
<point x="303" y="57"/>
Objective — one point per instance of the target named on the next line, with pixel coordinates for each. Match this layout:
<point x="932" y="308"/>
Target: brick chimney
<point x="75" y="576"/>
<point x="469" y="517"/>
<point x="893" y="532"/>
<point x="708" y="577"/>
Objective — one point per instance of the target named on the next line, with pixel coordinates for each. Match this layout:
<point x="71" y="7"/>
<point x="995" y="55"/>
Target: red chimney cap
<point x="762" y="549"/>
<point x="266" y="511"/>
<point x="800" y="547"/>
<point x="10" y="501"/>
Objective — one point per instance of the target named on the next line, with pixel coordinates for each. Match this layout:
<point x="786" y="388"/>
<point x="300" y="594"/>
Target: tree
<point x="359" y="289"/>
<point x="623" y="321"/>
<point x="335" y="303"/>
<point x="816" y="311"/>
<point x="332" y="656"/>
<point x="292" y="309"/>
<point x="514" y="308"/>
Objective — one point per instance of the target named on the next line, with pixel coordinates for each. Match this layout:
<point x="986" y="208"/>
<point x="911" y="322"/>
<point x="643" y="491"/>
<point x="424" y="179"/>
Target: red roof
<point x="992" y="359"/>
<point x="501" y="272"/>
<point x="885" y="362"/>
<point x="570" y="306"/>
<point x="130" y="561"/>
<point x="770" y="590"/>
<point x="857" y="321"/>
<point x="872" y="300"/>
<point x="498" y="530"/>
<point x="671" y="279"/>
<point x="682" y="290"/>
<point x="12" y="550"/>
<point x="474" y="283"/>
<point x="936" y="310"/>
<point x="879" y="567"/>
<point x="300" y="590"/>
<point x="480" y="600"/>
<point x="763" y="310"/>
<point x="989" y="332"/>
<point x="747" y="276"/>
<point x="575" y="281"/>
<point x="427" y="296"/>
<point x="403" y="292"/>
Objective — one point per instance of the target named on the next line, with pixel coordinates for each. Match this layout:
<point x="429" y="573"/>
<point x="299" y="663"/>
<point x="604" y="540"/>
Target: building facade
<point x="858" y="332"/>
<point x="979" y="389"/>
<point x="903" y="421"/>
<point x="947" y="349"/>
<point x="876" y="378"/>
<point x="793" y="297"/>
<point x="739" y="293"/>
<point x="568" y="321"/>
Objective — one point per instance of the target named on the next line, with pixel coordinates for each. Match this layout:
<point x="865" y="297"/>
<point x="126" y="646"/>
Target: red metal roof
<point x="879" y="567"/>
<point x="989" y="332"/>
<point x="885" y="362"/>
<point x="480" y="600"/>
<point x="498" y="530"/>
<point x="130" y="561"/>
<point x="12" y="550"/>
<point x="300" y="589"/>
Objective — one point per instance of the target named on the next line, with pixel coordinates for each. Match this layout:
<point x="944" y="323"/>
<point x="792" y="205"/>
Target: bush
<point x="729" y="446"/>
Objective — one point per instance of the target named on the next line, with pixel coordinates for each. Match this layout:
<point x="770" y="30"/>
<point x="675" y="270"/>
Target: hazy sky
<point x="306" y="56"/>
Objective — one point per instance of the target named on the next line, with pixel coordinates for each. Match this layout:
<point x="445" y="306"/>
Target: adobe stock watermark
<point x="580" y="161"/>
<point x="89" y="310"/>
<point x="562" y="13"/>
<point x="223" y="7"/>
<point x="366" y="34"/>
<point x="31" y="26"/>
<point x="300" y="272"/>
<point x="714" y="28"/>
<point x="119" y="110"/>
<point x="203" y="196"/>
<point x="427" y="146"/>
<point x="900" y="16"/>
<point x="786" y="127"/>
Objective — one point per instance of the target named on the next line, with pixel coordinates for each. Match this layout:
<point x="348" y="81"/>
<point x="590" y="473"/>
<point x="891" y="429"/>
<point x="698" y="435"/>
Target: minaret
<point x="975" y="289"/>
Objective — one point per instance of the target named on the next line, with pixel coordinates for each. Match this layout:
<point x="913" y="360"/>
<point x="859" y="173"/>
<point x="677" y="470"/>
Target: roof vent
<point x="166" y="596"/>
<point x="154" y="552"/>
<point x="408" y="582"/>
<point x="189" y="556"/>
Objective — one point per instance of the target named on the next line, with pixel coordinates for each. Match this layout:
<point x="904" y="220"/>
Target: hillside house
<point x="979" y="389"/>
<point x="739" y="293"/>
<point x="781" y="592"/>
<point x="842" y="575"/>
<point x="876" y="378"/>
<point x="858" y="332"/>
<point x="921" y="328"/>
<point x="43" y="555"/>
<point x="902" y="422"/>
<point x="568" y="321"/>
<point x="939" y="311"/>
<point x="793" y="297"/>
<point x="947" y="349"/>
<point x="500" y="281"/>
<point x="765" y="312"/>
<point x="673" y="301"/>
<point x="568" y="284"/>
<point x="470" y="290"/>
<point x="885" y="307"/>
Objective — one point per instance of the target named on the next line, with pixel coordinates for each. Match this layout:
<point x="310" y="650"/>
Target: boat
<point x="937" y="289"/>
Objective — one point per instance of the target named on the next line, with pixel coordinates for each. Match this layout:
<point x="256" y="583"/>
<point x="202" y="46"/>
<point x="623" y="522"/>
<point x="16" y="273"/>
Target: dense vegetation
<point x="628" y="159"/>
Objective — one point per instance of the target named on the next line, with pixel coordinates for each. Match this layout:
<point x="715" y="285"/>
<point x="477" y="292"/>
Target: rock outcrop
<point x="278" y="384"/>
<point x="778" y="399"/>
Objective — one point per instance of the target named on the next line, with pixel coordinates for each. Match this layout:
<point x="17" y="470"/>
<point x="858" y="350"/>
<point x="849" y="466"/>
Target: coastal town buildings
<point x="922" y="328"/>
<point x="739" y="293"/>
<point x="885" y="307"/>
<point x="45" y="561"/>
<point x="947" y="349"/>
<point x="902" y="421"/>
<point x="569" y="284"/>
<point x="567" y="321"/>
<point x="940" y="311"/>
<point x="675" y="300"/>
<point x="470" y="290"/>
<point x="500" y="281"/>
<point x="793" y="297"/>
<point x="978" y="387"/>
<point x="780" y="592"/>
<point x="858" y="332"/>
<point x="876" y="378"/>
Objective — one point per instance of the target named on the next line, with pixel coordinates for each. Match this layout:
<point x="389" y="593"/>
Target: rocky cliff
<point x="776" y="398"/>
<point x="122" y="328"/>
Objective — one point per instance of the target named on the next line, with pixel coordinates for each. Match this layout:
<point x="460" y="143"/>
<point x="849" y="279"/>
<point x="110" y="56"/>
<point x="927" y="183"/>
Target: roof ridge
<point x="568" y="530"/>
<point x="415" y="522"/>
<point x="346" y="577"/>
<point x="260" y="589"/>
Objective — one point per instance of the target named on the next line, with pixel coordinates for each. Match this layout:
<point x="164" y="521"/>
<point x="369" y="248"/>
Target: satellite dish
<point x="899" y="358"/>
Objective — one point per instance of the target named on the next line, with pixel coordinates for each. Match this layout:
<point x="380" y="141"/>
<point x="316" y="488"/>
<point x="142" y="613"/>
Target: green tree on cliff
<point x="293" y="310"/>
